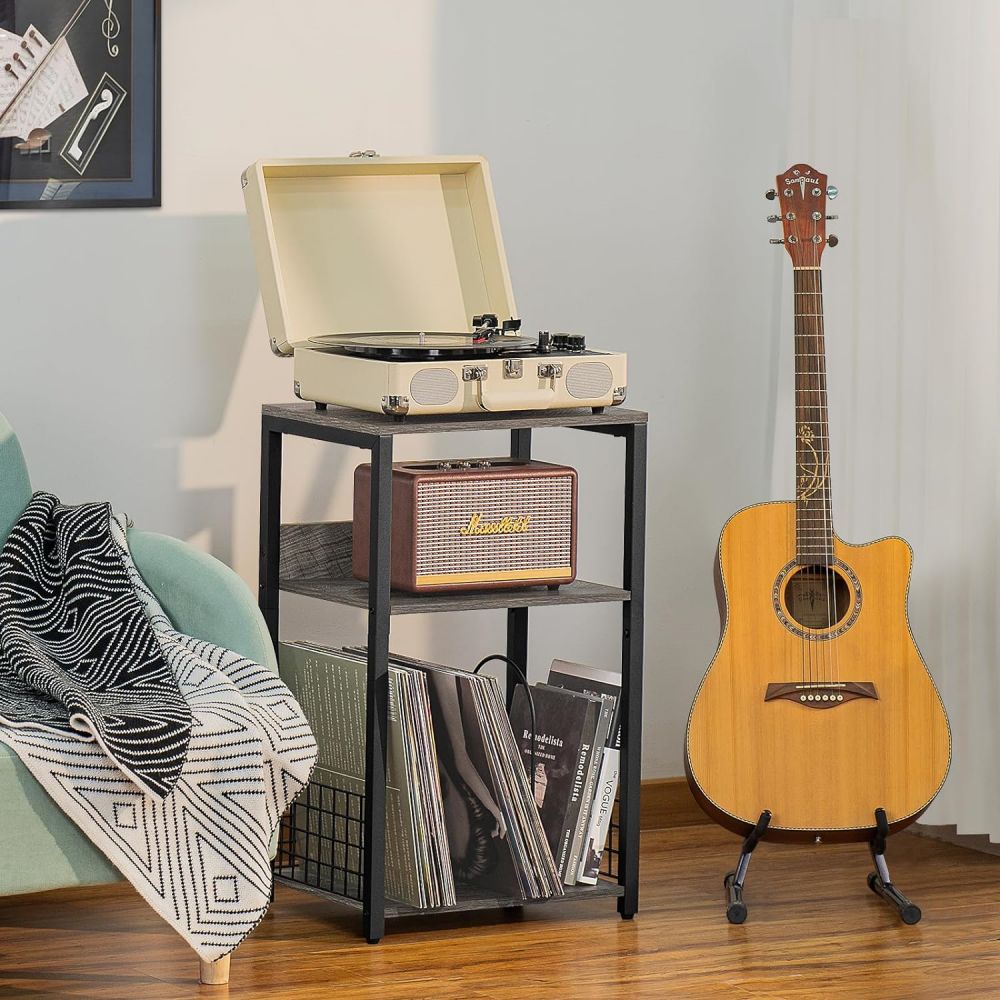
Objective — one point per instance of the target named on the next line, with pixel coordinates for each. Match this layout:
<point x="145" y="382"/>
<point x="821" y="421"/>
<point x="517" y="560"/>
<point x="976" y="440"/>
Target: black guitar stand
<point x="736" y="909"/>
<point x="879" y="881"/>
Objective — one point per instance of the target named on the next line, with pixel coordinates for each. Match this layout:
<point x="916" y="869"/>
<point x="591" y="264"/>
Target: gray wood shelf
<point x="354" y="593"/>
<point x="316" y="562"/>
<point x="470" y="898"/>
<point x="305" y="417"/>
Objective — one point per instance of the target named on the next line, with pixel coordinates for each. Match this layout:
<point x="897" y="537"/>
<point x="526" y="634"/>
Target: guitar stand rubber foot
<point x="908" y="911"/>
<point x="736" y="909"/>
<point x="880" y="882"/>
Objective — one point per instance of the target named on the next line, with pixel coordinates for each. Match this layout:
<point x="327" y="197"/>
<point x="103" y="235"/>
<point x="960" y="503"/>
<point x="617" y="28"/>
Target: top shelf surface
<point x="342" y="418"/>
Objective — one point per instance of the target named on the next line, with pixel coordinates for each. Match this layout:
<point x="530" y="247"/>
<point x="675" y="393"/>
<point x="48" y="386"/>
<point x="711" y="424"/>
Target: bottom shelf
<point x="469" y="897"/>
<point x="321" y="847"/>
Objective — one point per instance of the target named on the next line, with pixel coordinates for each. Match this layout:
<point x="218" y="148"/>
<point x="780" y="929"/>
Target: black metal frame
<point x="624" y="848"/>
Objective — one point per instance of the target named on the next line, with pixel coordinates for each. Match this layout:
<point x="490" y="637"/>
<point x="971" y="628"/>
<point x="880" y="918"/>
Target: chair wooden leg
<point x="215" y="973"/>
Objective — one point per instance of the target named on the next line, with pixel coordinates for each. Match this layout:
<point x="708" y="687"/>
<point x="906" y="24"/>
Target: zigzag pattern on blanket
<point x="79" y="655"/>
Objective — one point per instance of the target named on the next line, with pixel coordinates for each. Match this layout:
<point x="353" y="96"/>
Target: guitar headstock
<point x="802" y="192"/>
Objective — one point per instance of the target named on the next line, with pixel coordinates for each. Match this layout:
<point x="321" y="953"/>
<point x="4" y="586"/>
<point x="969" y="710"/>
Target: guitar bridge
<point x="819" y="695"/>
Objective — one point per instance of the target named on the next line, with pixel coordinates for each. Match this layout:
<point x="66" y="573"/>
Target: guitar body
<point x="820" y="725"/>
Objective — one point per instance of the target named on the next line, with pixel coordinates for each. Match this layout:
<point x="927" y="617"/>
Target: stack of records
<point x="459" y="807"/>
<point x="495" y="833"/>
<point x="330" y="685"/>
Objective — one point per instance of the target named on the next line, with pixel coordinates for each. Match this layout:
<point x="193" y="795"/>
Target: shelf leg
<point x="517" y="618"/>
<point x="270" y="527"/>
<point x="632" y="645"/>
<point x="517" y="647"/>
<point x="377" y="694"/>
<point x="520" y="442"/>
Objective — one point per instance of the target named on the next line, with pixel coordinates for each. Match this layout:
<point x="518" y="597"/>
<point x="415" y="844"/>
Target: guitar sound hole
<point x="817" y="597"/>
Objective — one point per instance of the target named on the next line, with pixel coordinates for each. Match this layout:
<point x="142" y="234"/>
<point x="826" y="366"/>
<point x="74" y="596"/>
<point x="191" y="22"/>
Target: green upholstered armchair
<point x="39" y="847"/>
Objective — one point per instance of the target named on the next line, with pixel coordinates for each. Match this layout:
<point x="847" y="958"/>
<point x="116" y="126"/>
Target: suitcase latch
<point x="475" y="373"/>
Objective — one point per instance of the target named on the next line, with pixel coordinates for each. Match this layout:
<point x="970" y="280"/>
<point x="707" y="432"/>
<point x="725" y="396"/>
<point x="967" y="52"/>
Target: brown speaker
<point x="480" y="524"/>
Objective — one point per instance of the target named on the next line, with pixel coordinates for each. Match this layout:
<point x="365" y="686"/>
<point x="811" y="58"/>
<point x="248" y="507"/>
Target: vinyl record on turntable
<point x="417" y="345"/>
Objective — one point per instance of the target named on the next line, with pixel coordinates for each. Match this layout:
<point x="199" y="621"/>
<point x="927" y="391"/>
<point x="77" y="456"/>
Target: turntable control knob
<point x="559" y="342"/>
<point x="544" y="341"/>
<point x="576" y="342"/>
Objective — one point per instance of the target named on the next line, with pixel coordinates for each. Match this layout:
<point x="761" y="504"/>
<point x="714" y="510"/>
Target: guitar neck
<point x="813" y="499"/>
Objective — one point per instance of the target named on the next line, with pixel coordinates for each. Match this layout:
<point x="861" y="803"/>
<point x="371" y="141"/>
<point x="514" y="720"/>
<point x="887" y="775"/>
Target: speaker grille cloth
<point x="447" y="507"/>
<point x="433" y="386"/>
<point x="588" y="380"/>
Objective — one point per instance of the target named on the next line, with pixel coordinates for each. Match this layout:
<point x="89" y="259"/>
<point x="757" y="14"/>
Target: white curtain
<point x="900" y="103"/>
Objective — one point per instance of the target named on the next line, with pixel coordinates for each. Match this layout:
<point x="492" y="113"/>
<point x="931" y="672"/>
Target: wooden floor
<point x="815" y="931"/>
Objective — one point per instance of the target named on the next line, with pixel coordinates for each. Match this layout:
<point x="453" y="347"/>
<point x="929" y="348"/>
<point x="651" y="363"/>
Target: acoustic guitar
<point x="817" y="706"/>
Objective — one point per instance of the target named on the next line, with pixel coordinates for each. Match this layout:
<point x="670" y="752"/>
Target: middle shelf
<point x="316" y="562"/>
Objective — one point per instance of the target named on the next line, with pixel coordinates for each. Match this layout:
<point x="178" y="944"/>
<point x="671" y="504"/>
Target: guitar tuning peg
<point x="770" y="194"/>
<point x="780" y="242"/>
<point x="774" y="218"/>
<point x="832" y="217"/>
<point x="832" y="240"/>
<point x="832" y="191"/>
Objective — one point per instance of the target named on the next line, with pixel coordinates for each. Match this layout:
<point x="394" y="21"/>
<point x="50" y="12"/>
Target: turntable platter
<point x="416" y="346"/>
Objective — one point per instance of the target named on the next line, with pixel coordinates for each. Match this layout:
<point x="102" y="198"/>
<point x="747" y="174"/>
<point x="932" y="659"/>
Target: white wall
<point x="630" y="144"/>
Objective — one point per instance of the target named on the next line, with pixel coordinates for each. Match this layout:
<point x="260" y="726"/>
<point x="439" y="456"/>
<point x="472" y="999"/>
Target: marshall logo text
<point x="505" y="526"/>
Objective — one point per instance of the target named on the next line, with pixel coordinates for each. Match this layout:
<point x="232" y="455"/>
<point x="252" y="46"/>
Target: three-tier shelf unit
<point x="315" y="560"/>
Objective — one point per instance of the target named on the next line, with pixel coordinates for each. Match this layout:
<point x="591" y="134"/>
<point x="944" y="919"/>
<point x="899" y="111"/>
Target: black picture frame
<point x="142" y="187"/>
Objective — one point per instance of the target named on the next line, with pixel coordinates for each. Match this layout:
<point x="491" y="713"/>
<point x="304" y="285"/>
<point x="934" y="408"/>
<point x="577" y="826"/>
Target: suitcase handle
<point x="518" y="399"/>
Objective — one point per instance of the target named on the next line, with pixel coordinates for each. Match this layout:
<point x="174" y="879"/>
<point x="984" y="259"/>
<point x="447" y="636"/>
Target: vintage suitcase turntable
<point x="387" y="280"/>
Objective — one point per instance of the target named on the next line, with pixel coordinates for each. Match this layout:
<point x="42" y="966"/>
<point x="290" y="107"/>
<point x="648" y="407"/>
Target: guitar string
<point x="828" y="570"/>
<point x="813" y="381"/>
<point x="813" y="665"/>
<point x="805" y="652"/>
<point x="802" y="508"/>
<point x="814" y="377"/>
<point x="821" y="350"/>
<point x="816" y="380"/>
<point x="801" y="537"/>
<point x="824" y="667"/>
<point x="805" y="533"/>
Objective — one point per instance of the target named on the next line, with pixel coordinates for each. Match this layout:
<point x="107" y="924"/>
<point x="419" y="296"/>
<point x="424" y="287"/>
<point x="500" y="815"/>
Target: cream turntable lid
<point x="361" y="244"/>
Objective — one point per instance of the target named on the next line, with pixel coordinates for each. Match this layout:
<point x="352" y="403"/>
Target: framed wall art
<point x="79" y="103"/>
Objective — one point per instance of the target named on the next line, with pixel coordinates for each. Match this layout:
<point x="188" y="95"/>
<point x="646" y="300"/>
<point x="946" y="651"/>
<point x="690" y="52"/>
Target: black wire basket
<point x="322" y="837"/>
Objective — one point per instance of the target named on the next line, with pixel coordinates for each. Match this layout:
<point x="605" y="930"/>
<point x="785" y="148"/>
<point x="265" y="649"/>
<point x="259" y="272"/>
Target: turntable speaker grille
<point x="433" y="386"/>
<point x="589" y="380"/>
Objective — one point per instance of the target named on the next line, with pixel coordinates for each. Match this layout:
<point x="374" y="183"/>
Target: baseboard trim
<point x="668" y="802"/>
<point x="950" y="835"/>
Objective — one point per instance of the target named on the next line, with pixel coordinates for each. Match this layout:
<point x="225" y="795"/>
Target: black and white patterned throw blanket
<point x="175" y="757"/>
